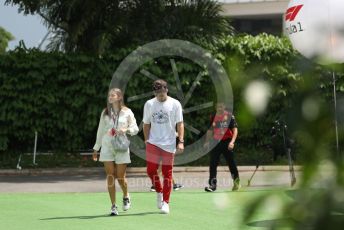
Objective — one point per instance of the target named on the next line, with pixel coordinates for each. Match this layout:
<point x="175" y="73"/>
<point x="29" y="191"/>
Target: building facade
<point x="256" y="16"/>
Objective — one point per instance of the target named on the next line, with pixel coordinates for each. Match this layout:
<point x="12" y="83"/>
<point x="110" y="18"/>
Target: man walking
<point x="161" y="116"/>
<point x="224" y="131"/>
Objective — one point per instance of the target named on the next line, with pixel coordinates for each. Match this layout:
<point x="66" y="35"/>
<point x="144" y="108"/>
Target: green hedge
<point x="61" y="95"/>
<point x="269" y="59"/>
<point x="55" y="94"/>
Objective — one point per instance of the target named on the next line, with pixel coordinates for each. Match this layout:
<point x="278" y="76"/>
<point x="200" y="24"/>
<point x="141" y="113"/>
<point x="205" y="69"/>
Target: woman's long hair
<point x="109" y="106"/>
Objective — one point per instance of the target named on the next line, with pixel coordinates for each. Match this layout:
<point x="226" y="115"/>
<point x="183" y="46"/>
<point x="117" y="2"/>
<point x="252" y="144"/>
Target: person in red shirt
<point x="223" y="131"/>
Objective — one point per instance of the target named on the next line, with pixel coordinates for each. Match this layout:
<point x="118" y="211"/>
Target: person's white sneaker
<point x="159" y="200"/>
<point x="113" y="211"/>
<point x="126" y="203"/>
<point x="165" y="209"/>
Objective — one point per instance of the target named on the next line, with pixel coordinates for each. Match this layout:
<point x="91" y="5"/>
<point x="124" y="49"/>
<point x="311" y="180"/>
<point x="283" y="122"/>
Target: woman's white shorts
<point x="107" y="153"/>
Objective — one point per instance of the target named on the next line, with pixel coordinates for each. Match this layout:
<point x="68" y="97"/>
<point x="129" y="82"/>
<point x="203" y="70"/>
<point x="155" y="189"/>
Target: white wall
<point x="240" y="8"/>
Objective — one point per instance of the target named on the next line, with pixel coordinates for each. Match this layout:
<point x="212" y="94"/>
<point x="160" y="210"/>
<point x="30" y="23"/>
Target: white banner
<point x="316" y="29"/>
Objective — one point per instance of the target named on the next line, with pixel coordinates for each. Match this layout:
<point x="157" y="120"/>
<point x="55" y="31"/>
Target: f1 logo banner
<point x="316" y="28"/>
<point x="292" y="12"/>
<point x="290" y="15"/>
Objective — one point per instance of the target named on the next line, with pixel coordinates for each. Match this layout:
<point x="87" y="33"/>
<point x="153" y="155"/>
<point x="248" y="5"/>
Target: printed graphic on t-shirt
<point x="223" y="124"/>
<point x="160" y="117"/>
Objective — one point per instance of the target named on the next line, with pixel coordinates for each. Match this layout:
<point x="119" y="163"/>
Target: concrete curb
<point x="135" y="170"/>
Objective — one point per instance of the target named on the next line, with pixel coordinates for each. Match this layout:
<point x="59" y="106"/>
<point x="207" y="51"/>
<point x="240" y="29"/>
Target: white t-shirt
<point x="163" y="117"/>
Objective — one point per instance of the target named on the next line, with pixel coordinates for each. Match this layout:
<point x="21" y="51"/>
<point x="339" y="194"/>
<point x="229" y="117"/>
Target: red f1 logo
<point x="292" y="12"/>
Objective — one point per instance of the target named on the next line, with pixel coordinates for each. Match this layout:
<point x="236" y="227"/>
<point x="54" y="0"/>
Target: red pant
<point x="154" y="155"/>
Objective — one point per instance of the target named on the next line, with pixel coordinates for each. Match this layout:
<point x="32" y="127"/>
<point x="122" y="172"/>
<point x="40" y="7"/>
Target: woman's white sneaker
<point x="165" y="209"/>
<point x="114" y="211"/>
<point x="126" y="203"/>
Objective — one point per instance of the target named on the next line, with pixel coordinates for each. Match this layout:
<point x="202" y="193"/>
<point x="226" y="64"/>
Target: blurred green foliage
<point x="302" y="97"/>
<point x="5" y="37"/>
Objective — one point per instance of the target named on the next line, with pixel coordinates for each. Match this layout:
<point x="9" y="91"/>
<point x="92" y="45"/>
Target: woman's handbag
<point x="120" y="142"/>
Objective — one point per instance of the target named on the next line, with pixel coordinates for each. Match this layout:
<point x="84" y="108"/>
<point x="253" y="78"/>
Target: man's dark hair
<point x="159" y="84"/>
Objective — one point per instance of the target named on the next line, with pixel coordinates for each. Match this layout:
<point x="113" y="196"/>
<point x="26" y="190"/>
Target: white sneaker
<point x="159" y="197"/>
<point x="126" y="203"/>
<point x="165" y="209"/>
<point x="113" y="211"/>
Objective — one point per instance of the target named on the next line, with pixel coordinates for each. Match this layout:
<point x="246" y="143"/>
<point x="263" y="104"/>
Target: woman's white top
<point x="126" y="120"/>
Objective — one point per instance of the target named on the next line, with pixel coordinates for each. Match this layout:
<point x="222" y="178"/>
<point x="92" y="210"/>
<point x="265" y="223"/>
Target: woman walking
<point x="116" y="119"/>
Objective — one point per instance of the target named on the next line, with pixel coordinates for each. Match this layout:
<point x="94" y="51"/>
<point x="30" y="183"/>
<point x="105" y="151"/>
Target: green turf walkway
<point x="189" y="210"/>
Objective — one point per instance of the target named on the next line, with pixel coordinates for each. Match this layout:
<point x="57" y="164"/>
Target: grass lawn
<point x="189" y="210"/>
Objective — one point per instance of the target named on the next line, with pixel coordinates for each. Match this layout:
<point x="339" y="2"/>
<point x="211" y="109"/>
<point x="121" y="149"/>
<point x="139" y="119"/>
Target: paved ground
<point x="93" y="180"/>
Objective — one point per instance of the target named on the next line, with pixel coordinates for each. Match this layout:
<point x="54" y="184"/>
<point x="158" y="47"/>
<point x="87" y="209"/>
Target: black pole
<point x="288" y="153"/>
<point x="335" y="111"/>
